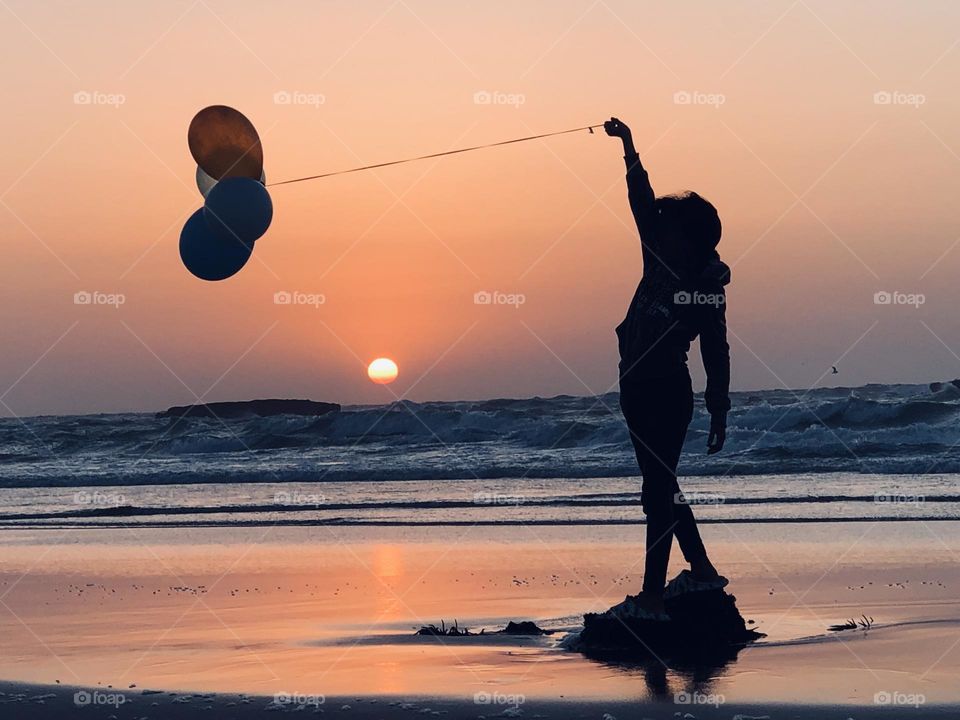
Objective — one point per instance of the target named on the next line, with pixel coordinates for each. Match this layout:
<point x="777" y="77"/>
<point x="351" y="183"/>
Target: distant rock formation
<point x="248" y="408"/>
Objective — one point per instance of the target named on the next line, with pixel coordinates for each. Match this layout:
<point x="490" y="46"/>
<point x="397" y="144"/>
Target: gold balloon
<point x="225" y="143"/>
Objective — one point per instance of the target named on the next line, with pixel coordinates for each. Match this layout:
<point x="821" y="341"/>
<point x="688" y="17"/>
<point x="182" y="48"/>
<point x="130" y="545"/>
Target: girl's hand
<point x="718" y="433"/>
<point x="615" y="127"/>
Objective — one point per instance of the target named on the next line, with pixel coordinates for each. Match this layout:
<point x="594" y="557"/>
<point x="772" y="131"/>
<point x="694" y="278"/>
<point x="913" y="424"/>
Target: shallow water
<point x="509" y="501"/>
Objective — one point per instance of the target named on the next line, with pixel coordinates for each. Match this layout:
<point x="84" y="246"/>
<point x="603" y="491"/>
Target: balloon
<point x="205" y="183"/>
<point x="225" y="143"/>
<point x="209" y="255"/>
<point x="238" y="209"/>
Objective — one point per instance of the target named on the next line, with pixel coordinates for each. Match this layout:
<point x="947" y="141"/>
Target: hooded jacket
<point x="672" y="306"/>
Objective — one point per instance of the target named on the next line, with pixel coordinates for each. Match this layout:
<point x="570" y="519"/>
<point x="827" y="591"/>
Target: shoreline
<point x="461" y="523"/>
<point x="497" y="505"/>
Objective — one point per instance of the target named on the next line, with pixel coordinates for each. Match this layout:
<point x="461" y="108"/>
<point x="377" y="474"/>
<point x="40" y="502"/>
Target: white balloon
<point x="205" y="183"/>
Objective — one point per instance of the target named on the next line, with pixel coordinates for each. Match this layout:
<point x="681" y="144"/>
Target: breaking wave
<point x="873" y="429"/>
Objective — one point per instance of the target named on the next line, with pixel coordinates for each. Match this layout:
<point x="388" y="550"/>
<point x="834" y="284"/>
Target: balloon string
<point x="435" y="155"/>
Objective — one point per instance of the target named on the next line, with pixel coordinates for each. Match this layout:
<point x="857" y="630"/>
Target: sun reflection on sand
<point x="388" y="568"/>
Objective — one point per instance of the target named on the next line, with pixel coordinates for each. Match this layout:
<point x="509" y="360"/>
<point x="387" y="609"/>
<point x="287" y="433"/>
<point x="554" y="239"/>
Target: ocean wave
<point x="875" y="428"/>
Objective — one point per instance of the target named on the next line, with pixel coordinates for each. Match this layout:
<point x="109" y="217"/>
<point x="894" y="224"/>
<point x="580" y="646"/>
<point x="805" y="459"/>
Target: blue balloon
<point x="238" y="208"/>
<point x="208" y="255"/>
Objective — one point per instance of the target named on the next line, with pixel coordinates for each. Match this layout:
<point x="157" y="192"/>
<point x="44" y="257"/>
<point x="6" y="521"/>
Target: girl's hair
<point x="696" y="218"/>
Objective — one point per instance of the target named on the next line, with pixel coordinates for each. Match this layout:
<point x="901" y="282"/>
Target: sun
<point x="382" y="371"/>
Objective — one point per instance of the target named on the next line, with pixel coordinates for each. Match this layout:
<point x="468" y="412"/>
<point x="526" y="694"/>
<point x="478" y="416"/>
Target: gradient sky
<point x="826" y="195"/>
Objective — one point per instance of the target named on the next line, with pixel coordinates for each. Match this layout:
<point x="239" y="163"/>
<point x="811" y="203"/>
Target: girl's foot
<point x="644" y="606"/>
<point x="704" y="571"/>
<point x="687" y="582"/>
<point x="653" y="604"/>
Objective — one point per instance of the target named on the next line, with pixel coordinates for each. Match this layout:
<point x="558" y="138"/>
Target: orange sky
<point x="94" y="195"/>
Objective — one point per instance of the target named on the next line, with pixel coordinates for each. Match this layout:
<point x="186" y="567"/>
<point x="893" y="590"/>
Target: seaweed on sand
<point x="452" y="631"/>
<point x="863" y="622"/>
<point x="524" y="627"/>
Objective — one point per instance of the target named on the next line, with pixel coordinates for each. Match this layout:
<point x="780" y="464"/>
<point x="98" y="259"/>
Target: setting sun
<point x="382" y="371"/>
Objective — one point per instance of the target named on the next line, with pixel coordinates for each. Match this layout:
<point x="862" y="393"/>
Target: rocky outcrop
<point x="251" y="408"/>
<point x="702" y="626"/>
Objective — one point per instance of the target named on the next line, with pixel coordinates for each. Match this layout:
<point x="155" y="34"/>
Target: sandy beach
<point x="322" y="618"/>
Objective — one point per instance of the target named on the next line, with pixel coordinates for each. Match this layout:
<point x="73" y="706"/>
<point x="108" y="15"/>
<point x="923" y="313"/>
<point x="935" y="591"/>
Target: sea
<point x="877" y="452"/>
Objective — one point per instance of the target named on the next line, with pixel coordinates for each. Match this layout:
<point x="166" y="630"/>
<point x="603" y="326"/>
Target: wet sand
<point x="45" y="703"/>
<point x="330" y="613"/>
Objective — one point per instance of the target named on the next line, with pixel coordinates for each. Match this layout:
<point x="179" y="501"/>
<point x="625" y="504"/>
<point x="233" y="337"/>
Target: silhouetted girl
<point x="680" y="296"/>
